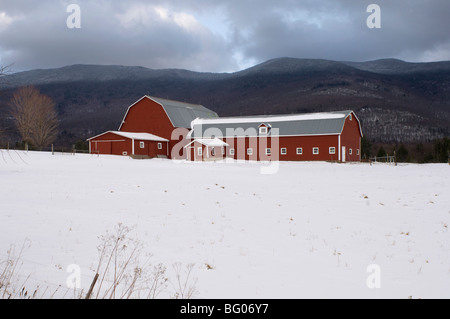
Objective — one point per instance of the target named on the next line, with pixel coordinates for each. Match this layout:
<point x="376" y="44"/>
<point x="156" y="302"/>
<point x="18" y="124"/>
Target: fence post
<point x="53" y="150"/>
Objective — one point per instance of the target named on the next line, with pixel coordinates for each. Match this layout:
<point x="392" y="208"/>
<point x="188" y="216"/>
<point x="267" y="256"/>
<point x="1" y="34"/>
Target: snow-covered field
<point x="311" y="230"/>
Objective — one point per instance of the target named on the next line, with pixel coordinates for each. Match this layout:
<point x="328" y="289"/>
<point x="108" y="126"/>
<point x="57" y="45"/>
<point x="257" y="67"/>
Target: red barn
<point x="154" y="116"/>
<point x="156" y="127"/>
<point x="129" y="144"/>
<point x="330" y="136"/>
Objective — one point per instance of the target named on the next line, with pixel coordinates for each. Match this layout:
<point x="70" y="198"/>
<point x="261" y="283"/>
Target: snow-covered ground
<point x="311" y="230"/>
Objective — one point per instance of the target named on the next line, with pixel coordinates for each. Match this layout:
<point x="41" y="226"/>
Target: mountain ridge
<point x="396" y="101"/>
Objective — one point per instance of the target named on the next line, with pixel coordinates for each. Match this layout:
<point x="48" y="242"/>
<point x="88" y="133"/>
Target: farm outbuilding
<point x="143" y="145"/>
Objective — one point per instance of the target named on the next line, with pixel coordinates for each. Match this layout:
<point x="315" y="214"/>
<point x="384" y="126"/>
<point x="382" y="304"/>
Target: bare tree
<point x="35" y="116"/>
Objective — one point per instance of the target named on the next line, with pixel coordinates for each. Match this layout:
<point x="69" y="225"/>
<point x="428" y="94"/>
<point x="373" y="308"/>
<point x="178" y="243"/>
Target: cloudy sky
<point x="219" y="35"/>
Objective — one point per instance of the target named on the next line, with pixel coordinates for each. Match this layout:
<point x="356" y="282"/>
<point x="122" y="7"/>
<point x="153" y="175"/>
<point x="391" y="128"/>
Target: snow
<point x="310" y="230"/>
<point x="210" y="142"/>
<point x="136" y="136"/>
<point x="273" y="118"/>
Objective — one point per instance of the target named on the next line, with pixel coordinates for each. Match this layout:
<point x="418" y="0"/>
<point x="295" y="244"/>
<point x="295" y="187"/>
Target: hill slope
<point x="395" y="100"/>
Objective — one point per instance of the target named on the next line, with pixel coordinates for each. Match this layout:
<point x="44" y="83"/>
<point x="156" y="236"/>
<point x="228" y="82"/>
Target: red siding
<point x="290" y="143"/>
<point x="147" y="116"/>
<point x="112" y="144"/>
<point x="351" y="139"/>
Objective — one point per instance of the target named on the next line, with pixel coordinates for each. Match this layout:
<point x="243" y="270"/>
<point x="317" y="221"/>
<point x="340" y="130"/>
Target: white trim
<point x="332" y="150"/>
<point x="318" y="150"/>
<point x="160" y="146"/>
<point x="265" y="128"/>
<point x="132" y="146"/>
<point x="141" y="144"/>
<point x="339" y="148"/>
<point x="268" y="151"/>
<point x="285" y="151"/>
<point x="299" y="149"/>
<point x="249" y="151"/>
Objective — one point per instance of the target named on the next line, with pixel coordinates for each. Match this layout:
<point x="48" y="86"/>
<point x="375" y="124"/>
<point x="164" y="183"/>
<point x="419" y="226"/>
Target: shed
<point x="143" y="145"/>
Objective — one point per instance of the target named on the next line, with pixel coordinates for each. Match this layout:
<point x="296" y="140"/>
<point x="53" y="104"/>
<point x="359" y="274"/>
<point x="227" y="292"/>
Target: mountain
<point x="396" y="101"/>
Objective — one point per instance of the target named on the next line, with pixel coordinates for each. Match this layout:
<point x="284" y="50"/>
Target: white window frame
<point x="314" y="150"/>
<point x="124" y="153"/>
<point x="249" y="151"/>
<point x="332" y="150"/>
<point x="350" y="151"/>
<point x="268" y="151"/>
<point x="232" y="152"/>
<point x="350" y="117"/>
<point x="199" y="151"/>
<point x="263" y="130"/>
<point x="141" y="144"/>
<point x="283" y="151"/>
<point x="160" y="146"/>
<point x="299" y="150"/>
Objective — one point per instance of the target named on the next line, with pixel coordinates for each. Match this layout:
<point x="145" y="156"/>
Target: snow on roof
<point x="272" y="118"/>
<point x="210" y="142"/>
<point x="136" y="136"/>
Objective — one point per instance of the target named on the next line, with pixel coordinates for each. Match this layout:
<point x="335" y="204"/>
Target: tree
<point x="381" y="152"/>
<point x="366" y="148"/>
<point x="35" y="116"/>
<point x="442" y="150"/>
<point x="402" y="154"/>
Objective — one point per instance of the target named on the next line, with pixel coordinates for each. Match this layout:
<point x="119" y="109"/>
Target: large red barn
<point x="156" y="127"/>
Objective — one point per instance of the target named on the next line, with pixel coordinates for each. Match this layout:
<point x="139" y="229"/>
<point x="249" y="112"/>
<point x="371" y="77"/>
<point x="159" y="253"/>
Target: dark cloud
<point x="208" y="35"/>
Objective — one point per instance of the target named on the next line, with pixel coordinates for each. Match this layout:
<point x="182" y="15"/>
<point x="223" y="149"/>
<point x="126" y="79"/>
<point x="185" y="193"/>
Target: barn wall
<point x="147" y="116"/>
<point x="291" y="143"/>
<point x="351" y="139"/>
<point x="110" y="144"/>
<point x="150" y="148"/>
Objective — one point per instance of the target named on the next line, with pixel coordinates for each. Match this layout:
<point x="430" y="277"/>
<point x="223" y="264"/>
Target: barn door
<point x="343" y="154"/>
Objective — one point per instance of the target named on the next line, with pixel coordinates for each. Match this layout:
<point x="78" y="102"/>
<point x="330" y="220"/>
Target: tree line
<point x="436" y="151"/>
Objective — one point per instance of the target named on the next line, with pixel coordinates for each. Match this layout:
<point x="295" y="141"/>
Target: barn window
<point x="350" y="117"/>
<point x="142" y="145"/>
<point x="332" y="150"/>
<point x="124" y="153"/>
<point x="315" y="150"/>
<point x="350" y="151"/>
<point x="232" y="151"/>
<point x="263" y="130"/>
<point x="283" y="151"/>
<point x="299" y="151"/>
<point x="357" y="151"/>
<point x="268" y="151"/>
<point x="249" y="151"/>
<point x="213" y="151"/>
<point x="199" y="151"/>
<point x="160" y="146"/>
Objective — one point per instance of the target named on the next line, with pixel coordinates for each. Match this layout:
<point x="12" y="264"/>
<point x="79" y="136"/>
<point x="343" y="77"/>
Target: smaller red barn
<point x="206" y="149"/>
<point x="129" y="144"/>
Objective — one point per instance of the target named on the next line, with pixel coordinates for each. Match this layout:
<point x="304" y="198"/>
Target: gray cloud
<point x="215" y="35"/>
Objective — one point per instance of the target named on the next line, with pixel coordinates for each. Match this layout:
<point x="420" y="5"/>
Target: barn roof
<point x="135" y="136"/>
<point x="326" y="123"/>
<point x="181" y="114"/>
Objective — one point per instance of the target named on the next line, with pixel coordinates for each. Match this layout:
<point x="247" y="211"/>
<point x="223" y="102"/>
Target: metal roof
<point x="328" y="123"/>
<point x="182" y="114"/>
